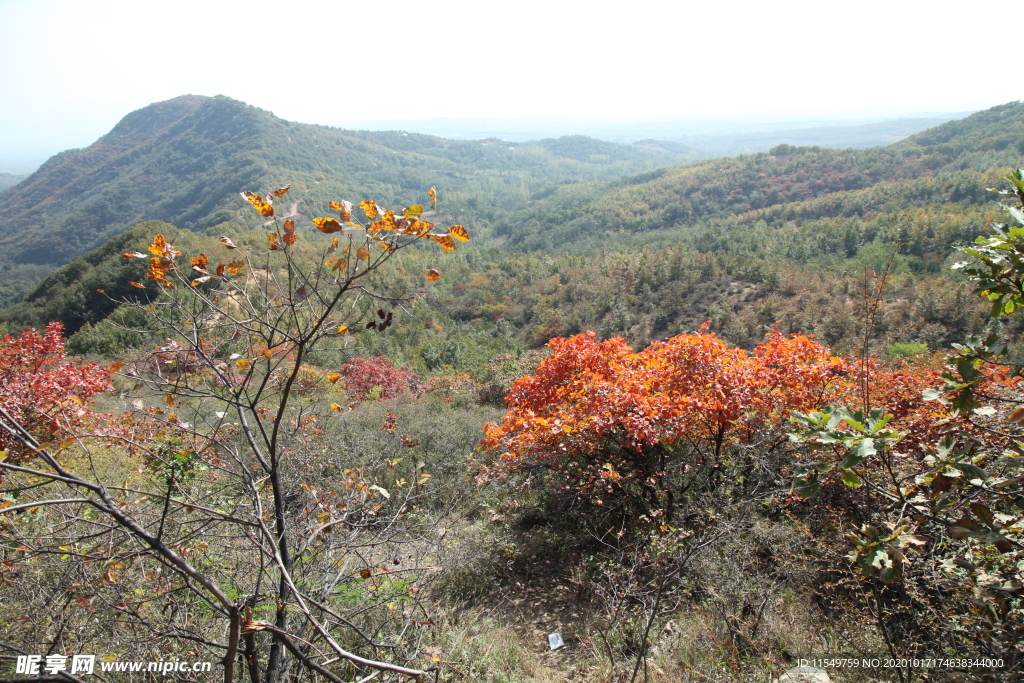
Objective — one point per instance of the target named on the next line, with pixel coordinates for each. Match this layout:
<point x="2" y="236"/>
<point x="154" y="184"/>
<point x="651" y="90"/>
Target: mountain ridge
<point x="184" y="160"/>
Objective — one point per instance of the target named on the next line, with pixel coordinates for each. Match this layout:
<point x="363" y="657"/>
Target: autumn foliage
<point x="42" y="389"/>
<point x="604" y="419"/>
<point x="362" y="375"/>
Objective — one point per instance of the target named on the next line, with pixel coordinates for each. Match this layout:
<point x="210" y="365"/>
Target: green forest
<point x="703" y="419"/>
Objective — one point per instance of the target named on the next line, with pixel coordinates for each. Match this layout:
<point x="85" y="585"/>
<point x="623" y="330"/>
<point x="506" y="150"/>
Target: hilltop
<point x="185" y="160"/>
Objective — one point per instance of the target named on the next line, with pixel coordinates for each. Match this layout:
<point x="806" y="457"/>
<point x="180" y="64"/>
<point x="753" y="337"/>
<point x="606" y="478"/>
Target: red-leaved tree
<point x="362" y="375"/>
<point x="42" y="389"/>
<point x="606" y="422"/>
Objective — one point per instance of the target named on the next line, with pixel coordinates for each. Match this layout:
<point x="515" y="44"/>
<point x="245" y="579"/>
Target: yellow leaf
<point x="370" y="208"/>
<point x="433" y="275"/>
<point x="333" y="377"/>
<point x="279" y="192"/>
<point x="459" y="233"/>
<point x="115" y="366"/>
<point x="335" y="406"/>
<point x="343" y="330"/>
<point x="226" y="241"/>
<point x="243" y="364"/>
<point x="327" y="225"/>
<point x="132" y="254"/>
<point x="414" y="210"/>
<point x="136" y="284"/>
<point x="363" y="254"/>
<point x="446" y="242"/>
<point x="159" y="246"/>
<point x="264" y="207"/>
<point x="289" y="226"/>
<point x="169" y="400"/>
<point x="432" y="192"/>
<point x="267" y="353"/>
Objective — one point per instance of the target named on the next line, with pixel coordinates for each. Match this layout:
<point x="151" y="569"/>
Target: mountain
<point x="185" y="160"/>
<point x="786" y="239"/>
<point x="9" y="179"/>
<point x="87" y="290"/>
<point x="708" y="137"/>
<point x="774" y="239"/>
<point x="951" y="163"/>
<point x="841" y="137"/>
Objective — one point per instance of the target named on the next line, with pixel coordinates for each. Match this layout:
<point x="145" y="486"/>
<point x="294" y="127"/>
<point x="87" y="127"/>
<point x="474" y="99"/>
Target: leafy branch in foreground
<point x="955" y="499"/>
<point x="238" y="532"/>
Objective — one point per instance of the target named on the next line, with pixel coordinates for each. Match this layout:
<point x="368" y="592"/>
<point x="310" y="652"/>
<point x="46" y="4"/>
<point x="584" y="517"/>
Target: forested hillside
<point x="764" y="240"/>
<point x="184" y="161"/>
<point x="554" y="420"/>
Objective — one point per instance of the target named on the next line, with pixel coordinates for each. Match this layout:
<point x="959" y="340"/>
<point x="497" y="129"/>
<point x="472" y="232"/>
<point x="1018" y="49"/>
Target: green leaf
<point x="806" y="486"/>
<point x="967" y="371"/>
<point x="972" y="471"/>
<point x="851" y="479"/>
<point x="877" y="420"/>
<point x="1016" y="213"/>
<point x="943" y="502"/>
<point x="856" y="455"/>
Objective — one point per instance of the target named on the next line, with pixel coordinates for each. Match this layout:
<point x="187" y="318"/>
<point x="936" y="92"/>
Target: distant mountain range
<point x="708" y="137"/>
<point x="560" y="206"/>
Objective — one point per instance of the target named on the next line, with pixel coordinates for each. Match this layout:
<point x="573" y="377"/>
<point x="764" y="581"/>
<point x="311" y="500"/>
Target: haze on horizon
<point x="74" y="69"/>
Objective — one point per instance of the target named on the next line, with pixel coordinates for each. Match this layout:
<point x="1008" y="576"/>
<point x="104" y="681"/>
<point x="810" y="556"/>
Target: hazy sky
<point x="73" y="68"/>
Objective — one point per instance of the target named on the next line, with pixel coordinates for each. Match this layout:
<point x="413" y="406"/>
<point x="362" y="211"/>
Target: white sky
<point x="72" y="68"/>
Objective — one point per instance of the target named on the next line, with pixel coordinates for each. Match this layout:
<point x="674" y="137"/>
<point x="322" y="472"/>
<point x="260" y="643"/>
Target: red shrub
<point x="361" y="375"/>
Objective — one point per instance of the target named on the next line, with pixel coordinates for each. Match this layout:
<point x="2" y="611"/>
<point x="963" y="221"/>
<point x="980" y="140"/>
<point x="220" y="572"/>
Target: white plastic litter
<point x="555" y="641"/>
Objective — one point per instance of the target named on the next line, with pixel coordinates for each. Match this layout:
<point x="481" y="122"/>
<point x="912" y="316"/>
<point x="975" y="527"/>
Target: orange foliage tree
<point x="606" y="422"/>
